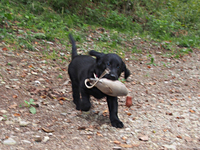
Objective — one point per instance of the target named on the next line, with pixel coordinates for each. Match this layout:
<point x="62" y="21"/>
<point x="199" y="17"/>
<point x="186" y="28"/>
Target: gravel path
<point x="165" y="113"/>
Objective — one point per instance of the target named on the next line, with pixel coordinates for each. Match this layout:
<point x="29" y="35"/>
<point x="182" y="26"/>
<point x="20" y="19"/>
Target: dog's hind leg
<point x="76" y="95"/>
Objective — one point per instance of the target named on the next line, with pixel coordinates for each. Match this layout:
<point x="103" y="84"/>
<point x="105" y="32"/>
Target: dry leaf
<point x="117" y="142"/>
<point x="82" y="128"/>
<point x="89" y="137"/>
<point x="126" y="145"/>
<point x="13" y="106"/>
<point x="14" y="96"/>
<point x="192" y="111"/>
<point x="165" y="130"/>
<point x="179" y="137"/>
<point x="47" y="130"/>
<point x="99" y="134"/>
<point x="124" y="138"/>
<point x="105" y="112"/>
<point x="62" y="98"/>
<point x="16" y="115"/>
<point x="61" y="102"/>
<point x="30" y="66"/>
<point x="4" y="49"/>
<point x="128" y="113"/>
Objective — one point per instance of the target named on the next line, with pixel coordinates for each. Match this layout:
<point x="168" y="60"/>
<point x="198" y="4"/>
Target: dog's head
<point x="111" y="61"/>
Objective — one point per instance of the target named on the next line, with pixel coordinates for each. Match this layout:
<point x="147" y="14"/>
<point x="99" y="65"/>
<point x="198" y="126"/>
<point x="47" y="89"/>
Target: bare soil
<point x="165" y="113"/>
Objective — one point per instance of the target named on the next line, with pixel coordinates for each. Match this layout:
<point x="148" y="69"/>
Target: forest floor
<point x="165" y="113"/>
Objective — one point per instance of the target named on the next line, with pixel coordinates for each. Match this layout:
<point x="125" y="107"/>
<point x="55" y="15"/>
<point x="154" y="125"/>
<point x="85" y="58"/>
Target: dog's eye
<point x="108" y="64"/>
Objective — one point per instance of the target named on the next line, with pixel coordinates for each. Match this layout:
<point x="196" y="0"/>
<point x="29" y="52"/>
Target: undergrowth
<point x="27" y="24"/>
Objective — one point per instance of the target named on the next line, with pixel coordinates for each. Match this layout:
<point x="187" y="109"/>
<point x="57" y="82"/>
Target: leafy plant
<point x="152" y="61"/>
<point x="31" y="108"/>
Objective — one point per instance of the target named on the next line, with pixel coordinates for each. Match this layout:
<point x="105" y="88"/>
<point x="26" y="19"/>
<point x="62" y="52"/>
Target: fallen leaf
<point x="117" y="142"/>
<point x="14" y="96"/>
<point x="128" y="113"/>
<point x="30" y="66"/>
<point x="4" y="49"/>
<point x="47" y="130"/>
<point x="165" y="130"/>
<point x="89" y="137"/>
<point x="151" y="83"/>
<point x="16" y="115"/>
<point x="99" y="134"/>
<point x="105" y="112"/>
<point x="179" y="137"/>
<point x="61" y="102"/>
<point x="13" y="106"/>
<point x="124" y="138"/>
<point x="82" y="128"/>
<point x="170" y="114"/>
<point x="126" y="146"/>
<point x="149" y="67"/>
<point x="180" y="117"/>
<point x="192" y="111"/>
<point x="62" y="98"/>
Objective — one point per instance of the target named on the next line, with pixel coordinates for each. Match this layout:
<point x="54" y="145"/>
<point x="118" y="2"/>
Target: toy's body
<point x="109" y="87"/>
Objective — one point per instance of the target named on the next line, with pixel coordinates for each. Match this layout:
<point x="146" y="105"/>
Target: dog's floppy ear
<point x="126" y="71"/>
<point x="97" y="55"/>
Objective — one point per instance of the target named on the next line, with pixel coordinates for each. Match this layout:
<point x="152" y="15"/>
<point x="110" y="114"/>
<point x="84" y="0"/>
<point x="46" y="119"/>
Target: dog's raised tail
<point x="74" y="50"/>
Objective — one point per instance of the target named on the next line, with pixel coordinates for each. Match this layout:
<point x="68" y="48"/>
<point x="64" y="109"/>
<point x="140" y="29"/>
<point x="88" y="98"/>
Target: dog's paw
<point x="117" y="124"/>
<point x="85" y="106"/>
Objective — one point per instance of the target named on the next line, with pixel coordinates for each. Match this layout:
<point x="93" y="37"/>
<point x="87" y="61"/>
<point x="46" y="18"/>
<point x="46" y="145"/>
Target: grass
<point x="32" y="25"/>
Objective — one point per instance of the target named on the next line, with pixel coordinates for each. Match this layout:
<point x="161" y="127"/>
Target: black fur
<point x="82" y="67"/>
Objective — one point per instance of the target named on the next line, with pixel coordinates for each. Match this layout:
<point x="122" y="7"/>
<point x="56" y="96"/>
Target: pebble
<point x="64" y="114"/>
<point x="26" y="142"/>
<point x="117" y="148"/>
<point x="9" y="122"/>
<point x="144" y="138"/>
<point x="171" y="147"/>
<point x="3" y="111"/>
<point x="46" y="138"/>
<point x="37" y="138"/>
<point x="9" y="141"/>
<point x="23" y="123"/>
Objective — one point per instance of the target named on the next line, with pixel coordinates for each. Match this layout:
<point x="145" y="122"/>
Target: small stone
<point x="3" y="111"/>
<point x="26" y="142"/>
<point x="104" y="126"/>
<point x="62" y="54"/>
<point x="117" y="148"/>
<point x="46" y="138"/>
<point x="23" y="123"/>
<point x="144" y="138"/>
<point x="9" y="141"/>
<point x="64" y="114"/>
<point x="9" y="122"/>
<point x="171" y="147"/>
<point x="1" y="118"/>
<point x="37" y="138"/>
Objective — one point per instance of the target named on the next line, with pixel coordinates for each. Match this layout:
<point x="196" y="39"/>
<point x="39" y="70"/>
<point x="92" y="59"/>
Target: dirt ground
<point x="165" y="113"/>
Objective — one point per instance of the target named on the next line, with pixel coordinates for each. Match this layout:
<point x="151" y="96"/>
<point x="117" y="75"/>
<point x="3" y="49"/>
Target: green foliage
<point x="25" y="22"/>
<point x="31" y="108"/>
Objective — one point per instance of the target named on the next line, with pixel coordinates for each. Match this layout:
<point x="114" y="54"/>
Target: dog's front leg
<point x="85" y="101"/>
<point x="113" y="110"/>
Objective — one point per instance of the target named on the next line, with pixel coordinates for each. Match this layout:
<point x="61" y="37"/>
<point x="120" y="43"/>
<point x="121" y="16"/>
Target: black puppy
<point x="83" y="67"/>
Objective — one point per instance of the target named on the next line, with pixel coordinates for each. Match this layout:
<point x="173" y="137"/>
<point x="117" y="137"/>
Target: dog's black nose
<point x="113" y="76"/>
